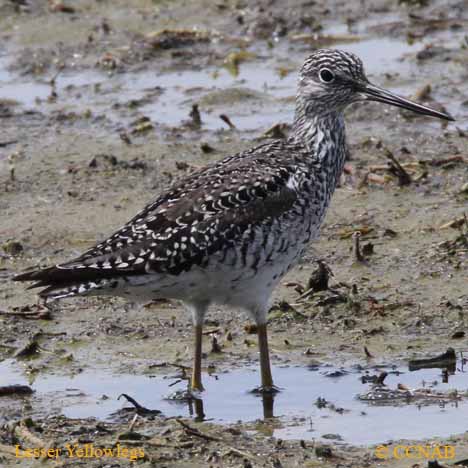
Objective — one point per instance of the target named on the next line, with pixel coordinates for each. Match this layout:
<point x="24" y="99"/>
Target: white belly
<point x="227" y="279"/>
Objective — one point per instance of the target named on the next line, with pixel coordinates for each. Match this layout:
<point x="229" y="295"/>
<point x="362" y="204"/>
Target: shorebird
<point x="229" y="232"/>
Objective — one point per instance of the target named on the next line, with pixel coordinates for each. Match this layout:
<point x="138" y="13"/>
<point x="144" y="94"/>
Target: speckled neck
<point x="324" y="135"/>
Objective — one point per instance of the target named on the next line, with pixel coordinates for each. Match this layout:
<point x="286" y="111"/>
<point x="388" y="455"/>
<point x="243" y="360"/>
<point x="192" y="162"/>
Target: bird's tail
<point x="59" y="283"/>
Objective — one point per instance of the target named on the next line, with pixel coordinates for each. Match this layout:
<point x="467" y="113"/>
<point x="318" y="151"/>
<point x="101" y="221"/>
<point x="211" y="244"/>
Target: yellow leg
<point x="267" y="379"/>
<point x="196" y="382"/>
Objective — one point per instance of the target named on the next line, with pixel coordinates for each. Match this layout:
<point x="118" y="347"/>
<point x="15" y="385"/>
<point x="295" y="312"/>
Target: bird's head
<point x="331" y="79"/>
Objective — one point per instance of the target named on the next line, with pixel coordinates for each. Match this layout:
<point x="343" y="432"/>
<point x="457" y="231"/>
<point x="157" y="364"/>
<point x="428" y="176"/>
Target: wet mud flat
<point x="97" y="114"/>
<point x="412" y="402"/>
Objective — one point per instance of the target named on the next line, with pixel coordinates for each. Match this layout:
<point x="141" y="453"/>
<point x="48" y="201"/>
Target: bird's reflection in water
<point x="448" y="371"/>
<point x="268" y="400"/>
<point x="447" y="362"/>
<point x="196" y="407"/>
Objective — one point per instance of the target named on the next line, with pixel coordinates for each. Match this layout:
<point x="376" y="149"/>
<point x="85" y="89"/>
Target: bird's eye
<point x="326" y="76"/>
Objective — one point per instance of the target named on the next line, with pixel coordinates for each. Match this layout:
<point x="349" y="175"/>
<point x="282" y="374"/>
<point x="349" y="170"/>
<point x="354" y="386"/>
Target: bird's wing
<point x="201" y="214"/>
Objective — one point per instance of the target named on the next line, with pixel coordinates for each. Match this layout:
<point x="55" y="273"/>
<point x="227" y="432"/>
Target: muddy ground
<point x="95" y="99"/>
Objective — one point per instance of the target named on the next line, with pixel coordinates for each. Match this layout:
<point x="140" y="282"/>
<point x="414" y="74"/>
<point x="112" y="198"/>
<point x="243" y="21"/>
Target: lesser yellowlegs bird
<point x="229" y="232"/>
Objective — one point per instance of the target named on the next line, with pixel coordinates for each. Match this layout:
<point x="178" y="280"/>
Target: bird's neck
<point x="324" y="136"/>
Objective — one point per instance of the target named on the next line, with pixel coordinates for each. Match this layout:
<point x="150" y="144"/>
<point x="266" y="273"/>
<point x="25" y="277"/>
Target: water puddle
<point x="314" y="403"/>
<point x="166" y="98"/>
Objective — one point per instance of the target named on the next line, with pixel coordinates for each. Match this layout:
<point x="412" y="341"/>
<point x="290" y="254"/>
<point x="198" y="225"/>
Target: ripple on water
<point x="299" y="412"/>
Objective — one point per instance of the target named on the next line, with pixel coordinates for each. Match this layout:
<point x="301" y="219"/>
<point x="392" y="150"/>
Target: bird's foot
<point x="196" y="387"/>
<point x="266" y="390"/>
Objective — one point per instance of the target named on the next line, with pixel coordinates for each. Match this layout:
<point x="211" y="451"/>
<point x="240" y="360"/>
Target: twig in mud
<point x="53" y="80"/>
<point x="384" y="167"/>
<point x="184" y="370"/>
<point x="455" y="223"/>
<point x="368" y="353"/>
<point x="301" y="314"/>
<point x="304" y="295"/>
<point x="439" y="396"/>
<point x="16" y="390"/>
<point x="195" y="116"/>
<point x="463" y="462"/>
<point x="335" y="299"/>
<point x="298" y="287"/>
<point x="420" y="176"/>
<point x="32" y="315"/>
<point x="347" y="233"/>
<point x="141" y="410"/>
<point x="215" y="346"/>
<point x="422" y="93"/>
<point x="58" y="6"/>
<point x="179" y="366"/>
<point x="176" y="382"/>
<point x="318" y="280"/>
<point x="132" y="424"/>
<point x="192" y="431"/>
<point x="277" y="131"/>
<point x="195" y="432"/>
<point x="369" y="177"/>
<point x="376" y="179"/>
<point x="32" y="347"/>
<point x="3" y="144"/>
<point x="380" y="379"/>
<point x="357" y="247"/>
<point x="442" y="161"/>
<point x="403" y="177"/>
<point x="207" y="148"/>
<point x="239" y="453"/>
<point x="227" y="121"/>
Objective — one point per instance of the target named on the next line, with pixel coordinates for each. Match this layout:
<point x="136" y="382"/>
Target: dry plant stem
<point x="227" y="121"/>
<point x="195" y="432"/>
<point x="7" y="450"/>
<point x="132" y="424"/>
<point x="357" y="247"/>
<point x="31" y="440"/>
<point x="403" y="177"/>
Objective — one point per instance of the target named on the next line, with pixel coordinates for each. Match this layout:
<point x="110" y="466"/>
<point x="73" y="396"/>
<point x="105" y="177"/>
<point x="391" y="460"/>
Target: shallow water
<point x="179" y="90"/>
<point x="227" y="400"/>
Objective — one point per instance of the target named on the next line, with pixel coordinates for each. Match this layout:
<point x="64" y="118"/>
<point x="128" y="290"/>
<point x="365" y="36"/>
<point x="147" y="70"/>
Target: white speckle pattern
<point x="230" y="230"/>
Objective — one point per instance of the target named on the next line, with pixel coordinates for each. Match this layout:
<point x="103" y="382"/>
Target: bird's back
<point x="244" y="218"/>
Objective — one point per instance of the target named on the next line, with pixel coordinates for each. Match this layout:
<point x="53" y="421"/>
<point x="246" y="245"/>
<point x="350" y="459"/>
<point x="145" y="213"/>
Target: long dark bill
<point x="374" y="93"/>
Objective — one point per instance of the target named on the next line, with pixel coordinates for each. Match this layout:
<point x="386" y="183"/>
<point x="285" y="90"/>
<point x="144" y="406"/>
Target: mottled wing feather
<point x="200" y="215"/>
